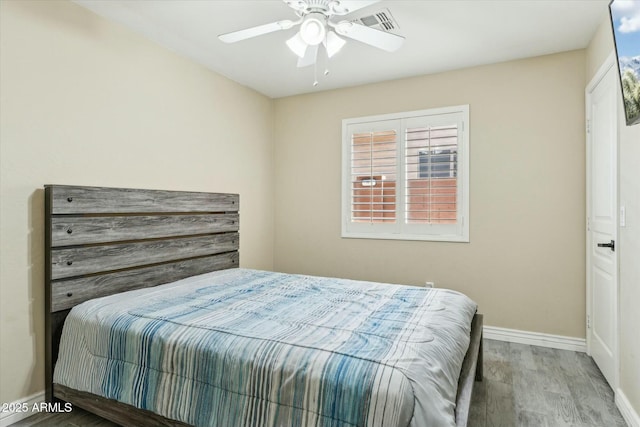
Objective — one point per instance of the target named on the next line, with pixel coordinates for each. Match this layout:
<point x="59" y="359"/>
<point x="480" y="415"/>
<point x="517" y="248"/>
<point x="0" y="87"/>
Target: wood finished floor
<point x="531" y="386"/>
<point x="523" y="386"/>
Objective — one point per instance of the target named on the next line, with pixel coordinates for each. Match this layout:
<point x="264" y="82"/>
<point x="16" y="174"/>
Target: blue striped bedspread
<point x="254" y="348"/>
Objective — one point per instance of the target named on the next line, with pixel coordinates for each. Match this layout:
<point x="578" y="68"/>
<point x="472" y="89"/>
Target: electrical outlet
<point x="429" y="284"/>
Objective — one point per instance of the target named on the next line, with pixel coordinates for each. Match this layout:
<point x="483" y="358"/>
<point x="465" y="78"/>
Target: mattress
<point x="245" y="347"/>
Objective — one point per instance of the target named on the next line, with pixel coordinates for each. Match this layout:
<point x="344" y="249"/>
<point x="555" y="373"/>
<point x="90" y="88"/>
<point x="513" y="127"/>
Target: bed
<point x="134" y="262"/>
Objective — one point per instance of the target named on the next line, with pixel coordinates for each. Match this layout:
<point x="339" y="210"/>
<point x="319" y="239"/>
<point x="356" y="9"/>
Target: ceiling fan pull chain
<point x="315" y="73"/>
<point x="326" y="62"/>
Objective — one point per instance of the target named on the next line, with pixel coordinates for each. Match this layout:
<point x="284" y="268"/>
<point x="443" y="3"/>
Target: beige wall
<point x="525" y="263"/>
<point x="600" y="47"/>
<point x="628" y="242"/>
<point x="84" y="101"/>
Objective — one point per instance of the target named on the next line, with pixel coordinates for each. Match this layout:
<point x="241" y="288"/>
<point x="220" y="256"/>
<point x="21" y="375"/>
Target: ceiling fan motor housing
<point x="326" y="7"/>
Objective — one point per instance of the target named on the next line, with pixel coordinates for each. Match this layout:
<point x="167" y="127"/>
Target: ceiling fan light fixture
<point x="333" y="43"/>
<point x="297" y="45"/>
<point x="313" y="30"/>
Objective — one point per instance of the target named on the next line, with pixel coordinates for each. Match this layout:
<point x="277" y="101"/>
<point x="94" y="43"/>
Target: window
<point x="406" y="175"/>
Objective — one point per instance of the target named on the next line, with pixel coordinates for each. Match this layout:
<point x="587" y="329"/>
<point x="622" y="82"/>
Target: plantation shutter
<point x="431" y="164"/>
<point x="406" y="175"/>
<point x="374" y="174"/>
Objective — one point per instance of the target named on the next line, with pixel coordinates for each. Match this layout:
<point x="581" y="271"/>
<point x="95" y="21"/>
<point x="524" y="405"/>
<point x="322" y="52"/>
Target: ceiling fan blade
<point x="376" y="38"/>
<point x="343" y="7"/>
<point x="310" y="57"/>
<point x="248" y="33"/>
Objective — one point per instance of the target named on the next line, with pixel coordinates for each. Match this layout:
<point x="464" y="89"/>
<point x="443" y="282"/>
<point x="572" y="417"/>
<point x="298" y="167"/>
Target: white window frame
<point x="399" y="230"/>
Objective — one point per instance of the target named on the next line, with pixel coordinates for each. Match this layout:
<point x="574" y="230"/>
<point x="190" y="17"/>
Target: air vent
<point x="382" y="20"/>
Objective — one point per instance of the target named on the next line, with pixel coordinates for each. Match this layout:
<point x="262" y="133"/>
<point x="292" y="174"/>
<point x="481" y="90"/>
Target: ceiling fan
<point x="317" y="27"/>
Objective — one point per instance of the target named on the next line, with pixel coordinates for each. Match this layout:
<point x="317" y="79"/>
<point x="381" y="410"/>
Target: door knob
<point x="611" y="245"/>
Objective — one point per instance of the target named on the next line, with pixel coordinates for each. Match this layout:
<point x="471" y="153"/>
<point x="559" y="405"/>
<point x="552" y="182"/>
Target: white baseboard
<point x="535" y="338"/>
<point x="8" y="418"/>
<point x="627" y="411"/>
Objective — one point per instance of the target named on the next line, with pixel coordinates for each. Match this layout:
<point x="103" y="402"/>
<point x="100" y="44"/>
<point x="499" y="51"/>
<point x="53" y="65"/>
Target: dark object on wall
<point x="626" y="36"/>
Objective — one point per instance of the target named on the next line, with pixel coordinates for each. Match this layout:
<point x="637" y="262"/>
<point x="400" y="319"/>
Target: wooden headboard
<point x="101" y="241"/>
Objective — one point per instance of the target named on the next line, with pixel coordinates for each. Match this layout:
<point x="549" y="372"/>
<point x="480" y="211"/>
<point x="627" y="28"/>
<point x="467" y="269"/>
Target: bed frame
<point x="102" y="241"/>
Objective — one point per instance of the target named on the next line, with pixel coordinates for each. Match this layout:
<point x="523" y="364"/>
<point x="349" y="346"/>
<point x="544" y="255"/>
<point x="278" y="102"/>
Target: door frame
<point x="609" y="63"/>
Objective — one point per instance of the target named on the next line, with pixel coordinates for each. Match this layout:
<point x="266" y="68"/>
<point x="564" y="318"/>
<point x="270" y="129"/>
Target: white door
<point x="602" y="263"/>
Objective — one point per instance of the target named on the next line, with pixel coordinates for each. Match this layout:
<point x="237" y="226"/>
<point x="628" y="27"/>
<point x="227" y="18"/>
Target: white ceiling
<point x="440" y="35"/>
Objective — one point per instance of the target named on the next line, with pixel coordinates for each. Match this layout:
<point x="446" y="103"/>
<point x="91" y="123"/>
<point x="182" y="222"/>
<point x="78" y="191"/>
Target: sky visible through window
<point x="626" y="23"/>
